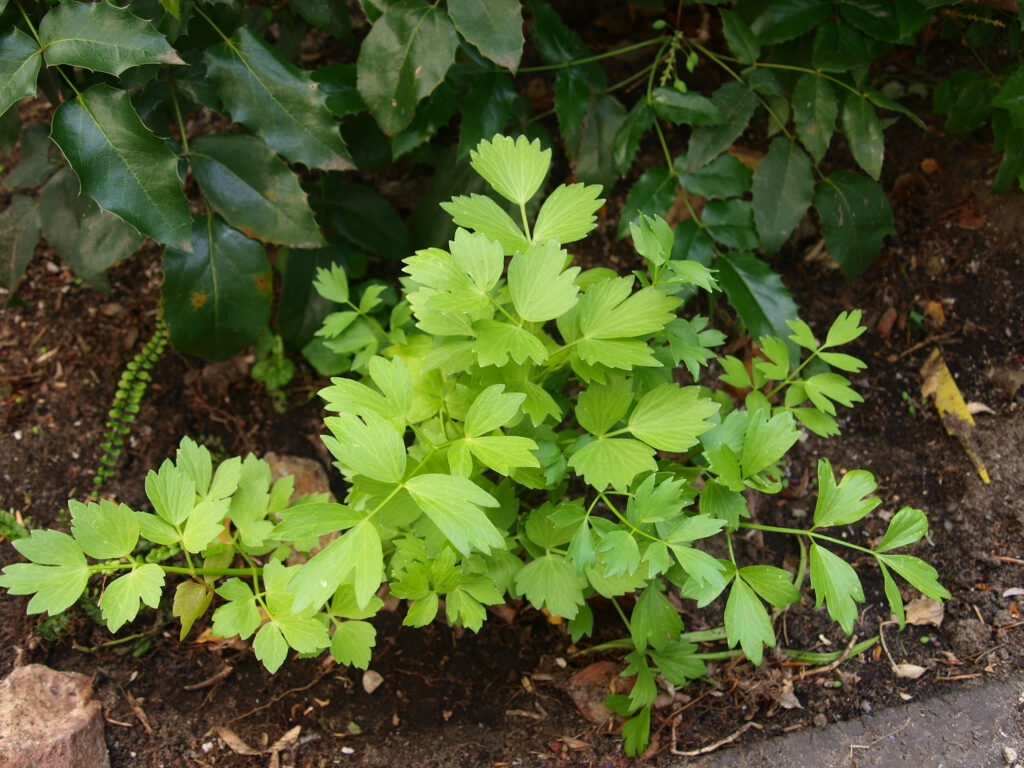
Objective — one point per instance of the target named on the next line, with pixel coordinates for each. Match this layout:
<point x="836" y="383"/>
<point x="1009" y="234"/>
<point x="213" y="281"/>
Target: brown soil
<point x="500" y="698"/>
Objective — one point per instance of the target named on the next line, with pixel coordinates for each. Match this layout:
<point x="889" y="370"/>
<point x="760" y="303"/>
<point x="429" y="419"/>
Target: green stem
<point x="624" y="521"/>
<point x="622" y="613"/>
<point x="181" y="122"/>
<point x="811" y="534"/>
<point x="526" y="223"/>
<point x="596" y="57"/>
<point x="789" y="379"/>
<point x="108" y="567"/>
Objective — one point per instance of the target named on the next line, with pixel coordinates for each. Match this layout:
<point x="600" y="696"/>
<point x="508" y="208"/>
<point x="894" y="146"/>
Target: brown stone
<point x="48" y="719"/>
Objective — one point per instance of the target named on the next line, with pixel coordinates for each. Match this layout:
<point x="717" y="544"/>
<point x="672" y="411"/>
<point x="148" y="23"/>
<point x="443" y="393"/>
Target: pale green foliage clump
<point x="516" y="431"/>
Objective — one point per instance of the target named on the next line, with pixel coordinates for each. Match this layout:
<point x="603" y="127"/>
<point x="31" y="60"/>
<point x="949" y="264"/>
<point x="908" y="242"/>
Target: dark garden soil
<point x="951" y="279"/>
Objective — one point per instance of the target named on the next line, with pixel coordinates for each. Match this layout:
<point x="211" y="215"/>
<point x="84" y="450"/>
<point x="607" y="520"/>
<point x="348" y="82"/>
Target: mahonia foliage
<point x="516" y="431"/>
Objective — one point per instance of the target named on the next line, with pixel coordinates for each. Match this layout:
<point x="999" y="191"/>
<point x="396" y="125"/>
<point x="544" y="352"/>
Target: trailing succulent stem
<point x="514" y="429"/>
<point x="131" y="388"/>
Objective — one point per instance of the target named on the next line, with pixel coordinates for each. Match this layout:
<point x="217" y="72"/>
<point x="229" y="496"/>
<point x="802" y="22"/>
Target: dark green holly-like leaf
<point x="652" y="193"/>
<point x="277" y="101"/>
<point x="19" y="233"/>
<point x="783" y="188"/>
<point x="486" y="109"/>
<point x="403" y="59"/>
<point x="256" y="193"/>
<point x="736" y="104"/>
<point x="360" y="215"/>
<point x="787" y="19"/>
<point x="39" y="159"/>
<point x="627" y="140"/>
<point x="685" y="108"/>
<point x="814" y="112"/>
<point x="758" y="295"/>
<point x="731" y="222"/>
<point x="103" y="38"/>
<point x="593" y="153"/>
<point x="216" y="297"/>
<point x="19" y="66"/>
<point x="855" y="216"/>
<point x="864" y="132"/>
<point x="493" y="26"/>
<point x="838" y="47"/>
<point x="723" y="177"/>
<point x="122" y="165"/>
<point x="740" y="37"/>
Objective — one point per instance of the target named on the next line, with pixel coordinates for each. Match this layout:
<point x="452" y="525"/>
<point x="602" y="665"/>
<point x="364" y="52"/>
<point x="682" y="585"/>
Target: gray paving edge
<point x="973" y="727"/>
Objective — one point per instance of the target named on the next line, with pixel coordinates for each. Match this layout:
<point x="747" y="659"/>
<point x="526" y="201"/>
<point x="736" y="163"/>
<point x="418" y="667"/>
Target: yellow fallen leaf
<point x="938" y="381"/>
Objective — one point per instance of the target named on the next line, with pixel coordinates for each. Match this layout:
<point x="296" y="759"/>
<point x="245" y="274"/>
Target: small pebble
<point x="1009" y="755"/>
<point x="865" y="707"/>
<point x="820" y="721"/>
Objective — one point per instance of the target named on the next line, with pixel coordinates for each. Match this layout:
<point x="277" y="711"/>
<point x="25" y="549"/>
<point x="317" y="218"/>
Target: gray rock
<point x="48" y="719"/>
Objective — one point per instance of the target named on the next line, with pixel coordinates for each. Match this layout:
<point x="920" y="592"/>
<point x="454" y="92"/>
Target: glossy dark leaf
<point x="723" y="177"/>
<point x="814" y="112"/>
<point x="277" y="101"/>
<point x="685" y="108"/>
<point x="19" y="67"/>
<point x="495" y="27"/>
<point x="876" y="18"/>
<point x="838" y="47"/>
<point x="1012" y="165"/>
<point x="740" y="37"/>
<point x="784" y="20"/>
<point x="572" y="100"/>
<point x="300" y="309"/>
<point x="431" y="115"/>
<point x="627" y="141"/>
<point x="864" y="132"/>
<point x="39" y="159"/>
<point x="652" y="193"/>
<point x="487" y="109"/>
<point x="731" y="222"/>
<point x="329" y="15"/>
<point x="362" y="217"/>
<point x="122" y="165"/>
<point x="338" y="83"/>
<point x="216" y="296"/>
<point x="736" y="104"/>
<point x="855" y="217"/>
<point x="255" y="192"/>
<point x="756" y="293"/>
<point x="19" y="233"/>
<point x="403" y="59"/>
<point x="594" y="152"/>
<point x="103" y="38"/>
<point x="558" y="44"/>
<point x="782" y="192"/>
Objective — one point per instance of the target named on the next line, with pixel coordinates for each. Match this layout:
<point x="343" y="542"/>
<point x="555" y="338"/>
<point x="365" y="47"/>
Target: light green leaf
<point x="617" y="353"/>
<point x="172" y="493"/>
<point x="255" y="192"/>
<point x="844" y="329"/>
<point x="479" y="257"/>
<point x="313" y="520"/>
<point x="636" y="733"/>
<point x="393" y="379"/>
<point x="20" y="60"/>
<point x="568" y="214"/>
<point x="783" y="188"/>
<point x="491" y="409"/>
<point x="756" y="292"/>
<point x="270" y="647"/>
<point x="822" y="388"/>
<point x="357" y="552"/>
<point x="835" y="583"/>
<point x="773" y="584"/>
<point x="553" y="583"/>
<point x="191" y="599"/>
<point x="720" y="502"/>
<point x="122" y="165"/>
<point x="864" y="132"/>
<point x="352" y="643"/>
<point x="695" y="527"/>
<point x="736" y="104"/>
<point x="601" y="406"/>
<point x="922" y="576"/>
<point x="54" y="588"/>
<point x="846" y="502"/>
<point x="239" y="616"/>
<point x="403" y="59"/>
<point x="454" y="505"/>
<point x="654" y="621"/>
<point x="503" y="454"/>
<point x="609" y="310"/>
<point x="747" y="622"/>
<point x="205" y="523"/>
<point x="893" y="596"/>
<point x="612" y="461"/>
<point x="278" y="102"/>
<point x="515" y="168"/>
<point x="814" y="112"/>
<point x="620" y="554"/>
<point x="702" y="568"/>
<point x="217" y="293"/>
<point x="670" y="418"/>
<point x="367" y="445"/>
<point x="493" y="26"/>
<point x="352" y="397"/>
<point x="106" y="530"/>
<point x="855" y="216"/>
<point x="103" y="38"/>
<point x="120" y="601"/>
<point x="196" y="462"/>
<point x="540" y="286"/>
<point x="497" y="341"/>
<point x="19" y="233"/>
<point x="482" y="214"/>
<point x="767" y="440"/>
<point x="907" y="526"/>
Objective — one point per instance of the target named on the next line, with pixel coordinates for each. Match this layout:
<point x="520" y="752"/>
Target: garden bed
<point x="503" y="696"/>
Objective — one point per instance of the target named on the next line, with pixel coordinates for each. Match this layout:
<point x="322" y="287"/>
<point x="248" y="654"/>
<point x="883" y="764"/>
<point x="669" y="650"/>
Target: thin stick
<point x="316" y="679"/>
<point x="710" y="747"/>
<point x="829" y="667"/>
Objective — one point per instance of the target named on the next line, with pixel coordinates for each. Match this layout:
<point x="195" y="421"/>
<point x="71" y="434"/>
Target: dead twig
<point x="324" y="670"/>
<point x="880" y="738"/>
<point x="926" y="342"/>
<point x="211" y="680"/>
<point x="710" y="747"/>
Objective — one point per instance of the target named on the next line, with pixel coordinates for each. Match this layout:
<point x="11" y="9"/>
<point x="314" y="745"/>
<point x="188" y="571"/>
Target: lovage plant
<point x="517" y="431"/>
